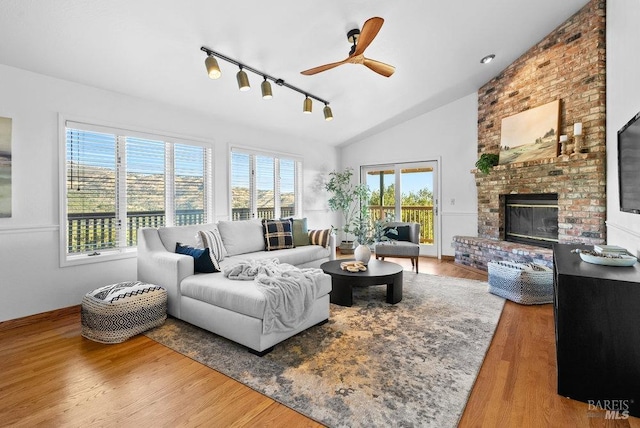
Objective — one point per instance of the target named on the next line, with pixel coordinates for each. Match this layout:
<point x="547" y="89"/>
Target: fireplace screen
<point x="532" y="219"/>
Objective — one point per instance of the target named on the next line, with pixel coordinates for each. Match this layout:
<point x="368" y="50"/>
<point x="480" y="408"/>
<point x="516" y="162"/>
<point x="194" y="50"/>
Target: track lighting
<point x="328" y="115"/>
<point x="307" y="105"/>
<point x="243" y="80"/>
<point x="213" y="70"/>
<point x="266" y="89"/>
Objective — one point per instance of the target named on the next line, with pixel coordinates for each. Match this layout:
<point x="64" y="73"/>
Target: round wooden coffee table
<point x="378" y="273"/>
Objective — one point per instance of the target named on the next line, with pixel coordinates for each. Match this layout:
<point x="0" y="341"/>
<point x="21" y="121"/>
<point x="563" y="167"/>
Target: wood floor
<point x="51" y="376"/>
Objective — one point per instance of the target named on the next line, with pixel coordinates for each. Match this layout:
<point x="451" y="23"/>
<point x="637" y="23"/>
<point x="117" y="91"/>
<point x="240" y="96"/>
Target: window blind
<point x="117" y="183"/>
<point x="241" y="186"/>
<point x="145" y="192"/>
<point x="91" y="191"/>
<point x="189" y="184"/>
<point x="263" y="185"/>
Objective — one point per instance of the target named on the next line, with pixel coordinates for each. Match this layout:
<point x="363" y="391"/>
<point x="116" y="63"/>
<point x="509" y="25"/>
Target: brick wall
<point x="569" y="65"/>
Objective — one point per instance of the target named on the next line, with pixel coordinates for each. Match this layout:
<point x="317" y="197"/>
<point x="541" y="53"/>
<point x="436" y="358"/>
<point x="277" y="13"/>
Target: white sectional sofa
<point x="230" y="308"/>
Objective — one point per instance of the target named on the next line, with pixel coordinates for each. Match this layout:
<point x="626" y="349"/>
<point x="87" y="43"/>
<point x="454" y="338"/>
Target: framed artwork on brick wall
<point x="5" y="167"/>
<point x="531" y="134"/>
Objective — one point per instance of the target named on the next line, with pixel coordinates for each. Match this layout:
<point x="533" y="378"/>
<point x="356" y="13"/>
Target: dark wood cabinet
<point x="597" y="324"/>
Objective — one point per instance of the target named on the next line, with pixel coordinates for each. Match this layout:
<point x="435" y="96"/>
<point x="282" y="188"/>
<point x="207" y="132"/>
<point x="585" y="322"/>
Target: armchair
<point x="406" y="244"/>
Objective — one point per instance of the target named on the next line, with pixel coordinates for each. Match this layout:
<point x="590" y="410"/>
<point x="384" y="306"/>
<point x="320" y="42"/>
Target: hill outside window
<point x="116" y="181"/>
<point x="264" y="185"/>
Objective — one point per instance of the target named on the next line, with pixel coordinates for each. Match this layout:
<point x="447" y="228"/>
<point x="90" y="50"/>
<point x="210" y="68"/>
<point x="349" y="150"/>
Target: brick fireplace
<point x="569" y="65"/>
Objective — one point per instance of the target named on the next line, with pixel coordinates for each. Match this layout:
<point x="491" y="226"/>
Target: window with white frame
<point x="264" y="185"/>
<point x="116" y="181"/>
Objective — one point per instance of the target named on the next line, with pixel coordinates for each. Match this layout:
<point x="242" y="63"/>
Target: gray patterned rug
<point x="373" y="364"/>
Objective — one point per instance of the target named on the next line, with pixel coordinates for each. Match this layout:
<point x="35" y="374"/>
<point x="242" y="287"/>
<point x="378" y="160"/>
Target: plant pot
<point x="346" y="247"/>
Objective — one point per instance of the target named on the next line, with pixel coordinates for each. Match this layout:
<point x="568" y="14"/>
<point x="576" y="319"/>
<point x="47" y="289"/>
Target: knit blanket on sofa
<point x="289" y="291"/>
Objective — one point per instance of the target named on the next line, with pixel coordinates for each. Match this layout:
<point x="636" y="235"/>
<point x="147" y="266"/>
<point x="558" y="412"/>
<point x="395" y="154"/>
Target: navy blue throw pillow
<point x="402" y="235"/>
<point x="201" y="258"/>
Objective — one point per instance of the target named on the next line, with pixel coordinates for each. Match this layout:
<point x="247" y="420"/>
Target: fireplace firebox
<point x="531" y="219"/>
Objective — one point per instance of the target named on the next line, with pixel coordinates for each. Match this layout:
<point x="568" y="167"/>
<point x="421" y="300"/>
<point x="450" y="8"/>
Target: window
<point x="116" y="181"/>
<point x="264" y="185"/>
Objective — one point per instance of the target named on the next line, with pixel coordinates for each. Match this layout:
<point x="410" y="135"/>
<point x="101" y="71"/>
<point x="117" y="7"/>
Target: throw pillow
<point x="402" y="235"/>
<point x="300" y="231"/>
<point x="277" y="234"/>
<point x="212" y="240"/>
<point x="319" y="237"/>
<point x="202" y="260"/>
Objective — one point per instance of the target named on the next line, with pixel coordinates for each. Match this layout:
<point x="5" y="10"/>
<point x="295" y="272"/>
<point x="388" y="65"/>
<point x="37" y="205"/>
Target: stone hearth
<point x="477" y="252"/>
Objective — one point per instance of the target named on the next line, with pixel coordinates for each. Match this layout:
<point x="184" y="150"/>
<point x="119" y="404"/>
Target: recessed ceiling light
<point x="487" y="59"/>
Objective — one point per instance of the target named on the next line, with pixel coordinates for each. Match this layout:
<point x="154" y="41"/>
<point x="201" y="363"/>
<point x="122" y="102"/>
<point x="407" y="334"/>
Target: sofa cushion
<point x="186" y="235"/>
<point x="242" y="236"/>
<point x="403" y="233"/>
<point x="238" y="296"/>
<point x="300" y="231"/>
<point x="202" y="260"/>
<point x="212" y="240"/>
<point x="277" y="234"/>
<point x="319" y="237"/>
<point x="294" y="256"/>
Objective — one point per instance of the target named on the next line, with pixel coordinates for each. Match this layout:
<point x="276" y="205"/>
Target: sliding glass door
<point x="406" y="192"/>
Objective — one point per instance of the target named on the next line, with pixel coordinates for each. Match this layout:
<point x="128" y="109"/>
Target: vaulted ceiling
<point x="151" y="49"/>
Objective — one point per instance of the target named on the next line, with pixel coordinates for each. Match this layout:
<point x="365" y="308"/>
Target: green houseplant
<point x="350" y="199"/>
<point x="486" y="162"/>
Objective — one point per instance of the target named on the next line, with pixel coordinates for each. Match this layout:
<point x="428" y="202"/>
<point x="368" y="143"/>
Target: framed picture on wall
<point x="5" y="167"/>
<point x="531" y="134"/>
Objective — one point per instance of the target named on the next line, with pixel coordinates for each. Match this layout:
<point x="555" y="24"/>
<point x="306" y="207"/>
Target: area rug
<point x="373" y="364"/>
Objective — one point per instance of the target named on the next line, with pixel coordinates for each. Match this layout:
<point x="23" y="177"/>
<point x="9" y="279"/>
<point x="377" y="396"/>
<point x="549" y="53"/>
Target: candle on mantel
<point x="577" y="128"/>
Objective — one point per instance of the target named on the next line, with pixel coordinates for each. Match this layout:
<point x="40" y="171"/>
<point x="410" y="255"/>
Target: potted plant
<point x="486" y="162"/>
<point x="351" y="200"/>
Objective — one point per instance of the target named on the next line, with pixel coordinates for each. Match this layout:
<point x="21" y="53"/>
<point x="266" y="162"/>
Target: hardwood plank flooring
<point x="51" y="376"/>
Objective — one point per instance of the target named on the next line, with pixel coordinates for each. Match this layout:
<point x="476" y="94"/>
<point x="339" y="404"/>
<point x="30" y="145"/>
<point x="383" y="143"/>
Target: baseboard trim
<point x="44" y="316"/>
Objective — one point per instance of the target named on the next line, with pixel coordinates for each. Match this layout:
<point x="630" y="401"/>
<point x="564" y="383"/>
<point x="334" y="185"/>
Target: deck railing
<point x="245" y="213"/>
<point x="415" y="214"/>
<point x="87" y="233"/>
<point x="98" y="231"/>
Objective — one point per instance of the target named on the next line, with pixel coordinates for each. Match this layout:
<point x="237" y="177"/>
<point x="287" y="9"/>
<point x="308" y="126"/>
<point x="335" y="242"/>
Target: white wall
<point x="31" y="280"/>
<point x="623" y="102"/>
<point x="449" y="135"/>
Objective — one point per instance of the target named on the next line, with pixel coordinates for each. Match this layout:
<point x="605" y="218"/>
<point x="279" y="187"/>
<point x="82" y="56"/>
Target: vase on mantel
<point x="362" y="253"/>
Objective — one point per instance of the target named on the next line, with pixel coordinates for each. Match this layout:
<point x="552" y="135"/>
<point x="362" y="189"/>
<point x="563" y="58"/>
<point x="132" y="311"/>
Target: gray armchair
<point x="406" y="244"/>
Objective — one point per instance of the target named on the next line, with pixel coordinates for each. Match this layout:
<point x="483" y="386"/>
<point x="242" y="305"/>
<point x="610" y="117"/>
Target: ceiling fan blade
<point x="379" y="67"/>
<point x="325" y="67"/>
<point x="369" y="32"/>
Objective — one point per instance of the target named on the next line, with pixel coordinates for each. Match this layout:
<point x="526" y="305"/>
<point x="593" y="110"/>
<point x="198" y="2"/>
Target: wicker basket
<point x="114" y="313"/>
<point x="526" y="283"/>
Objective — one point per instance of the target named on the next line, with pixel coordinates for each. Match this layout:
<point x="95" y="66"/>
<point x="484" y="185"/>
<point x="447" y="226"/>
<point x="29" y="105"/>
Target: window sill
<point x="105" y="256"/>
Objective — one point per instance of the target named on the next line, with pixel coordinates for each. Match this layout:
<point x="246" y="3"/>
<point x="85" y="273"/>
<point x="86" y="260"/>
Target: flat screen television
<point x="629" y="166"/>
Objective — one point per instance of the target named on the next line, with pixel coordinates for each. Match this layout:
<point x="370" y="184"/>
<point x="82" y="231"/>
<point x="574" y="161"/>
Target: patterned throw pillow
<point x="277" y="234"/>
<point x="319" y="237"/>
<point x="202" y="260"/>
<point x="212" y="240"/>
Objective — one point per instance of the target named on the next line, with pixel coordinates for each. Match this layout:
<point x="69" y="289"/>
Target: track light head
<point x="213" y="69"/>
<point x="307" y="105"/>
<point x="266" y="89"/>
<point x="328" y="114"/>
<point x="243" y="80"/>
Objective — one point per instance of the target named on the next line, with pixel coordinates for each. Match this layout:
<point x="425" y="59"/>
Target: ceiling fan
<point x="360" y="40"/>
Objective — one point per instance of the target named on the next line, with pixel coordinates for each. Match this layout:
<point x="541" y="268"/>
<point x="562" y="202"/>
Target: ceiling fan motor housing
<point x="352" y="36"/>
